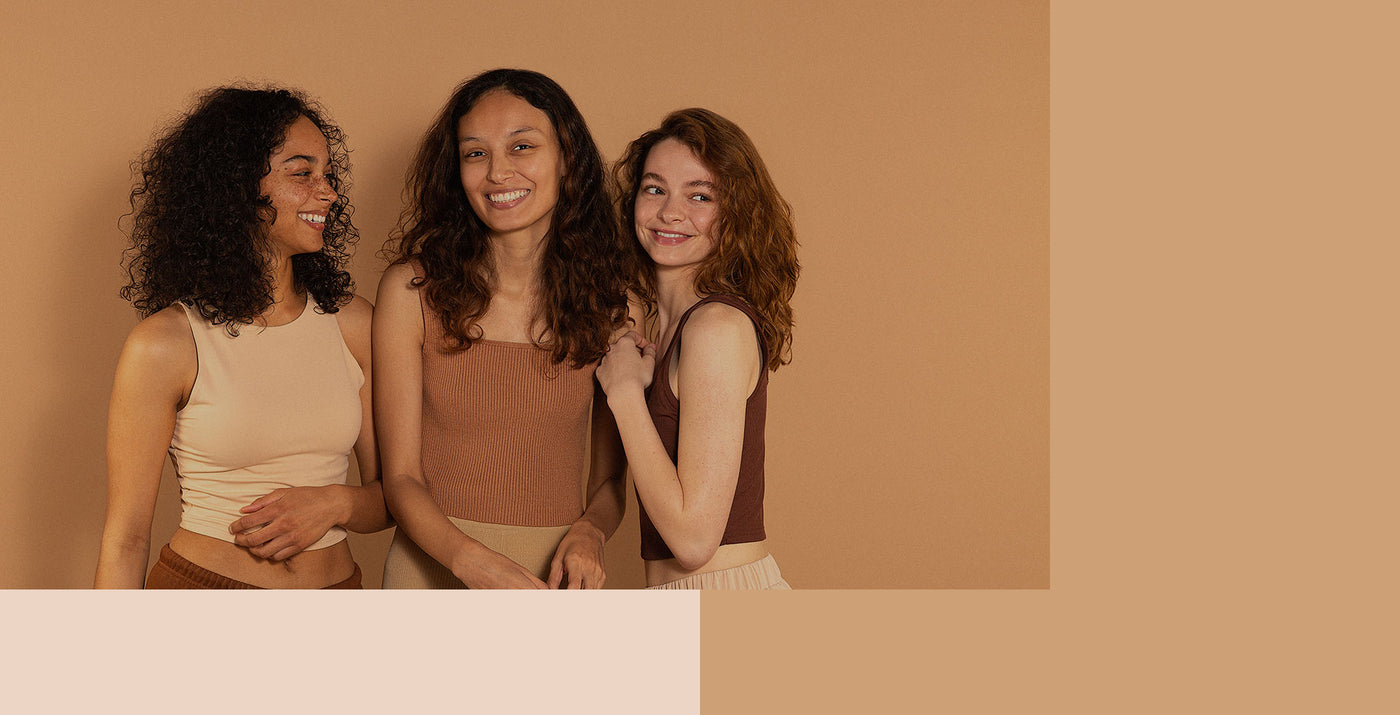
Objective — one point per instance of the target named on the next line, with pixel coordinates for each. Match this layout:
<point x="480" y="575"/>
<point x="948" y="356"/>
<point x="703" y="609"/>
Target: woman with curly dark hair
<point x="251" y="366"/>
<point x="718" y="266"/>
<point x="505" y="288"/>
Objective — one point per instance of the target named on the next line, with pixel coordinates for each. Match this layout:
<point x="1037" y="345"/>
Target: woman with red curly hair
<point x="251" y="368"/>
<point x="718" y="259"/>
<point x="505" y="288"/>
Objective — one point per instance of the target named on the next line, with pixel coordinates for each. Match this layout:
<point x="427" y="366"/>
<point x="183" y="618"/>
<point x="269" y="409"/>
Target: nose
<point x="670" y="210"/>
<point x="325" y="191"/>
<point x="500" y="168"/>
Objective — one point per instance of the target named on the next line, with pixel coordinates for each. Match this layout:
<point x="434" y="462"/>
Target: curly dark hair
<point x="198" y="234"/>
<point x="583" y="270"/>
<point x="755" y="254"/>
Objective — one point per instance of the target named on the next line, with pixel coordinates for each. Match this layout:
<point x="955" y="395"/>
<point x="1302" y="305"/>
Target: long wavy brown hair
<point x="582" y="291"/>
<point x="755" y="254"/>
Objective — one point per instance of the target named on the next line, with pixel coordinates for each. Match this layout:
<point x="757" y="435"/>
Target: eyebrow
<point x="303" y="157"/>
<point x="521" y="130"/>
<point x="699" y="182"/>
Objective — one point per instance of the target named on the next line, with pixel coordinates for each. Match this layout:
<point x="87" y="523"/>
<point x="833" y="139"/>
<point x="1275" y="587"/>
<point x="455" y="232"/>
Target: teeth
<point x="663" y="234"/>
<point x="313" y="218"/>
<point x="508" y="196"/>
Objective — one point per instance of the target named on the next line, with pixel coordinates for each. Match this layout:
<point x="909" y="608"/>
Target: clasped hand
<point x="580" y="555"/>
<point x="629" y="364"/>
<point x="283" y="522"/>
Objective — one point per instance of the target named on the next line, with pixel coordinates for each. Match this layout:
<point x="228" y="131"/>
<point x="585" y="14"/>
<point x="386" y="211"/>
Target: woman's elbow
<point x="394" y="484"/>
<point x="695" y="552"/>
<point x="125" y="536"/>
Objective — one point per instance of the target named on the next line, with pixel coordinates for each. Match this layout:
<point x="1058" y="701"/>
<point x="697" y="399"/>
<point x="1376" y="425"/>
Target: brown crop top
<point x="746" y="513"/>
<point x="504" y="429"/>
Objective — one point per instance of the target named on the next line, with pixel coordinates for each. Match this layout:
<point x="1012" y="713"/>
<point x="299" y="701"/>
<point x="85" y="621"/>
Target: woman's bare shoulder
<point x="718" y="320"/>
<point x="163" y="334"/>
<point x="355" y="319"/>
<point x="398" y="275"/>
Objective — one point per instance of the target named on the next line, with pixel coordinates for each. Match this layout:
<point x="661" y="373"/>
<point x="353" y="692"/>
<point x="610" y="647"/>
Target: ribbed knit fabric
<point x="504" y="430"/>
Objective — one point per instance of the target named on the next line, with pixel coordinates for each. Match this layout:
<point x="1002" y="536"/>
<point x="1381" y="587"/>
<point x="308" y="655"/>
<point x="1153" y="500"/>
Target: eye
<point x="474" y="153"/>
<point x="702" y="198"/>
<point x="653" y="190"/>
<point x="523" y="146"/>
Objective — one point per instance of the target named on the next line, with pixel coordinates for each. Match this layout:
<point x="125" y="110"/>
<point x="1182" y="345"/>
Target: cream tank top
<point x="270" y="408"/>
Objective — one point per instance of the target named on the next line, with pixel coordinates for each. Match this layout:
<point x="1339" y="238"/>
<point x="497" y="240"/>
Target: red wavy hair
<point x="755" y="254"/>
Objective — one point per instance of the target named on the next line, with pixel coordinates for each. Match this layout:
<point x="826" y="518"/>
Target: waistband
<point x="175" y="571"/>
<point x="760" y="575"/>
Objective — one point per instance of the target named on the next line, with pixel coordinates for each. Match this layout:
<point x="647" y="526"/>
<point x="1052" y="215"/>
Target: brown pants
<point x="175" y="571"/>
<point x="761" y="575"/>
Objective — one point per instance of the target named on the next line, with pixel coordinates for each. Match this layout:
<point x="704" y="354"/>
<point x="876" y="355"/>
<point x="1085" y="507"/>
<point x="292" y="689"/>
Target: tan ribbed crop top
<point x="504" y="429"/>
<point x="270" y="408"/>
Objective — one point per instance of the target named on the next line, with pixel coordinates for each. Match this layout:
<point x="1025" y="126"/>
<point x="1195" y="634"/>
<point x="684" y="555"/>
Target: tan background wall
<point x="909" y="440"/>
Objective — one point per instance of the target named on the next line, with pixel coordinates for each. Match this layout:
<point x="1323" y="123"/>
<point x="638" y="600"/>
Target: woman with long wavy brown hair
<point x="251" y="368"/>
<point x="718" y="265"/>
<point x="505" y="287"/>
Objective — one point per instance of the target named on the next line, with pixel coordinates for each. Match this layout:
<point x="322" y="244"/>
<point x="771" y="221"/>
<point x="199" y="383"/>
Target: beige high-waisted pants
<point x="760" y="575"/>
<point x="408" y="566"/>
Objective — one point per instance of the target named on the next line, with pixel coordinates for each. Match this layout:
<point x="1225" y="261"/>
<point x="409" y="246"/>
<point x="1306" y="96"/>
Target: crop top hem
<point x="336" y="534"/>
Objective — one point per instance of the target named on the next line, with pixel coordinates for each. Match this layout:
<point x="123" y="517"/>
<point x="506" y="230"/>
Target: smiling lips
<point x="666" y="238"/>
<point x="507" y="199"/>
<point x="317" y="221"/>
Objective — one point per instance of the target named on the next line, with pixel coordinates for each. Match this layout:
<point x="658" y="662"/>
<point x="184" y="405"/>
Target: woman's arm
<point x="285" y="522"/>
<point x="154" y="375"/>
<point x="368" y="513"/>
<point x="718" y="367"/>
<point x="398" y="405"/>
<point x="581" y="552"/>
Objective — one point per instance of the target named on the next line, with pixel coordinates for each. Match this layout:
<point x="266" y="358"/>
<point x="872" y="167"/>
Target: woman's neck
<point x="675" y="294"/>
<point x="287" y="302"/>
<point x="516" y="259"/>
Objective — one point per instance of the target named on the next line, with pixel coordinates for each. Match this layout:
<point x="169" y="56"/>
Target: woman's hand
<point x="580" y="555"/>
<point x="481" y="567"/>
<point x="628" y="365"/>
<point x="282" y="523"/>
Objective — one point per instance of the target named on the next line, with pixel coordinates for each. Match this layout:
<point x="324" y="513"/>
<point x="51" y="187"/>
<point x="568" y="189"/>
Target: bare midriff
<point x="726" y="557"/>
<point x="308" y="569"/>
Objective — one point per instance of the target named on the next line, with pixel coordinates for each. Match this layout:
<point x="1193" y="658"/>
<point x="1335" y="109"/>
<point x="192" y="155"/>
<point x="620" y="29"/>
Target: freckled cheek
<point x="702" y="221"/>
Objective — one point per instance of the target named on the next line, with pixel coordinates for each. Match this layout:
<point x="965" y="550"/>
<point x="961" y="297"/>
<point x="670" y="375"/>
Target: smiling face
<point x="298" y="187"/>
<point x="676" y="206"/>
<point x="511" y="164"/>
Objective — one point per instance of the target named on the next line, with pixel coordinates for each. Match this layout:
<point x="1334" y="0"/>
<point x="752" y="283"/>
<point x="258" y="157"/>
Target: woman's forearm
<point x="121" y="563"/>
<point x="420" y="517"/>
<point x="654" y="475"/>
<point x="607" y="475"/>
<point x="367" y="512"/>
